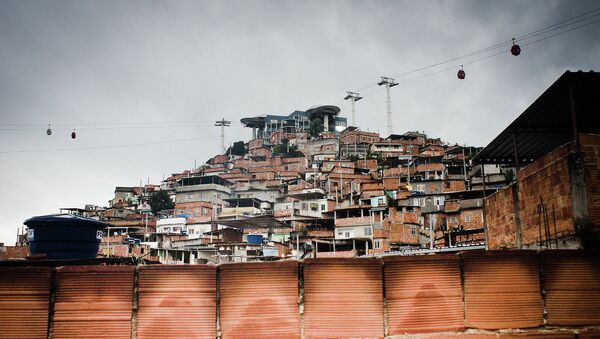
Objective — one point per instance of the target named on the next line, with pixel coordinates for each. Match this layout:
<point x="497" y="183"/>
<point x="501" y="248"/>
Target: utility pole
<point x="354" y="97"/>
<point x="388" y="82"/>
<point x="223" y="123"/>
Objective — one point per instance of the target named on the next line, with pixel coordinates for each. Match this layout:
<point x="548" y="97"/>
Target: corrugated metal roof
<point x="177" y="301"/>
<point x="24" y="302"/>
<point x="546" y="124"/>
<point x="259" y="300"/>
<point x="93" y="302"/>
<point x="343" y="298"/>
<point x="423" y="294"/>
<point x="572" y="285"/>
<point x="502" y="289"/>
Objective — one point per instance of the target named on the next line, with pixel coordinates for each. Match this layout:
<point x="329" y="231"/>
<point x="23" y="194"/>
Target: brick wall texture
<point x="545" y="182"/>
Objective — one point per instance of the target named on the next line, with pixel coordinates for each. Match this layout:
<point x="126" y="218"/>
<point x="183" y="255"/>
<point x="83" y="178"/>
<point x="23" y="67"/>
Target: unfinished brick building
<point x="554" y="201"/>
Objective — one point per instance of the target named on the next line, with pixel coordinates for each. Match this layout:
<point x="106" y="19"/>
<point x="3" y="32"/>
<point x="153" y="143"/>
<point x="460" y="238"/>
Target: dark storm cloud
<point x="77" y="62"/>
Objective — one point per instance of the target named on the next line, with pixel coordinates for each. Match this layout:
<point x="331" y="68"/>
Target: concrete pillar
<point x="326" y="123"/>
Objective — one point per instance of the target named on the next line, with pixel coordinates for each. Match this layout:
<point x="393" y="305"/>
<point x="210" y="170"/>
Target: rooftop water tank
<point x="64" y="236"/>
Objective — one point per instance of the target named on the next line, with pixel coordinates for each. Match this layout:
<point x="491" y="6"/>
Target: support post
<point x="388" y="83"/>
<point x="353" y="97"/>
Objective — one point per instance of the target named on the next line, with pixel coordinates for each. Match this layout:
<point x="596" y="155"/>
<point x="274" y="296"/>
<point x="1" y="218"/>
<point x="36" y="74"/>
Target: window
<point x="380" y="201"/>
<point x="347" y="234"/>
<point x="453" y="220"/>
<point x="377" y="244"/>
<point x="467" y="218"/>
<point x="368" y="231"/>
<point x="340" y="234"/>
<point x="323" y="207"/>
<point x="190" y="196"/>
<point x="304" y="206"/>
<point x="413" y="230"/>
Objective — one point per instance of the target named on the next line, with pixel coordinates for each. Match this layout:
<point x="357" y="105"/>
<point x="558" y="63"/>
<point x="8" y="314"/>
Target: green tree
<point x="238" y="148"/>
<point x="315" y="128"/>
<point x="283" y="147"/>
<point x="160" y="201"/>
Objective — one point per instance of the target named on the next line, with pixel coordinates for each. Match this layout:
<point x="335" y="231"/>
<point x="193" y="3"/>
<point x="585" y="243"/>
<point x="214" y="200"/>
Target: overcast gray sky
<point x="105" y="67"/>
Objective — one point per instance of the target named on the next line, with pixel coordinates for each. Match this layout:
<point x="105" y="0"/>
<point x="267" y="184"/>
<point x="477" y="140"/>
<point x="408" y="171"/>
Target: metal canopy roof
<point x="547" y="123"/>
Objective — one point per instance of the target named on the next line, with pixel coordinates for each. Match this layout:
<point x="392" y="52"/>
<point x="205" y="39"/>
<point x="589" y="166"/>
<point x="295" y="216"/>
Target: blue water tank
<point x="64" y="236"/>
<point x="255" y="239"/>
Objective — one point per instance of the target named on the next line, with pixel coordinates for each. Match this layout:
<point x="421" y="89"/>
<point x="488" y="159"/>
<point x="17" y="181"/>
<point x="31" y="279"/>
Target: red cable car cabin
<point x="461" y="73"/>
<point x="515" y="49"/>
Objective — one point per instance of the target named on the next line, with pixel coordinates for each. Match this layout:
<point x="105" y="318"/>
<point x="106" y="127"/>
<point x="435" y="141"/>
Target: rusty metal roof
<point x="177" y="301"/>
<point x="547" y="124"/>
<point x="24" y="302"/>
<point x="343" y="298"/>
<point x="502" y="289"/>
<point x="423" y="294"/>
<point x="572" y="285"/>
<point x="93" y="301"/>
<point x="259" y="300"/>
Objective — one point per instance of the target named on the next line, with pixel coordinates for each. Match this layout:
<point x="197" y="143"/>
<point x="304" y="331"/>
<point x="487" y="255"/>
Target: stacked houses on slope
<point x="340" y="192"/>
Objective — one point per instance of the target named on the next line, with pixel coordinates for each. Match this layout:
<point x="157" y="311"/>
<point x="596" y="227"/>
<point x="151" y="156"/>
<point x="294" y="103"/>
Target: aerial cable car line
<point x="51" y="128"/>
<point x="118" y="124"/>
<point x="561" y="24"/>
<point x="105" y="147"/>
<point x="484" y="57"/>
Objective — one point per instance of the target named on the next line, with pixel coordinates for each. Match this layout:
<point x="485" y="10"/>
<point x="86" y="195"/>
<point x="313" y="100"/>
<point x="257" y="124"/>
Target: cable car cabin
<point x="515" y="49"/>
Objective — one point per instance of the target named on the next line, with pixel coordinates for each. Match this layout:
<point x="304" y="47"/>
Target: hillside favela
<point x="302" y="222"/>
<point x="309" y="190"/>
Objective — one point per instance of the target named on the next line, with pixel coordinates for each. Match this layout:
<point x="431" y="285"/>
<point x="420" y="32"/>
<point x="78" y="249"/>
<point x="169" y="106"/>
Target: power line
<point x="105" y="147"/>
<point x="561" y="24"/>
<point x="486" y="57"/>
<point x="118" y="124"/>
<point x="102" y="128"/>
